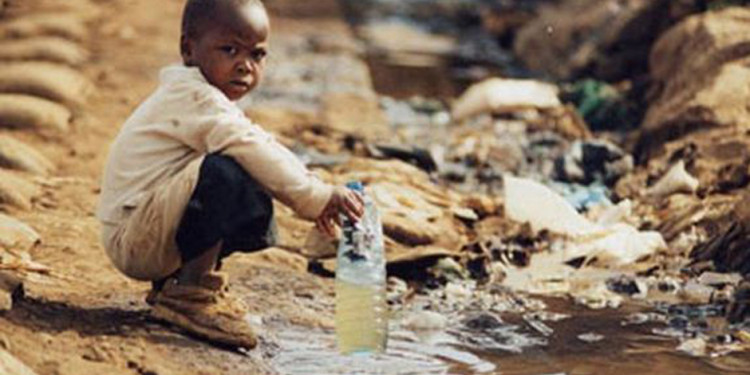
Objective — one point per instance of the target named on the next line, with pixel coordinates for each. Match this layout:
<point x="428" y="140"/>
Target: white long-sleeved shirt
<point x="187" y="118"/>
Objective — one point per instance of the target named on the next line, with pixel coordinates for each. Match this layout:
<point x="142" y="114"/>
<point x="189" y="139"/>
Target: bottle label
<point x="358" y="238"/>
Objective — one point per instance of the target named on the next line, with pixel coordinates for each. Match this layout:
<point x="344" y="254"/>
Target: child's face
<point x="231" y="53"/>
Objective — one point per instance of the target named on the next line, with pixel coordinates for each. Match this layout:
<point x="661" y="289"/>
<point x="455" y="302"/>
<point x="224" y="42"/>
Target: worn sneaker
<point x="207" y="313"/>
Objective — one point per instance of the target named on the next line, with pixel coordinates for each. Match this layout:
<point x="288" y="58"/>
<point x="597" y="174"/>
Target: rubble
<point x="608" y="40"/>
<point x="594" y="160"/>
<point x="699" y="69"/>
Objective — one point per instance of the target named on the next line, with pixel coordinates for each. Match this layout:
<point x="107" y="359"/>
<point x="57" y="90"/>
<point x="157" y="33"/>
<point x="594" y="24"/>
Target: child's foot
<point x="208" y="313"/>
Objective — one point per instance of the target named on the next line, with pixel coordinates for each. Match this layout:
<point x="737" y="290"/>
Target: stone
<point x="701" y="78"/>
<point x="32" y="113"/>
<point x="17" y="155"/>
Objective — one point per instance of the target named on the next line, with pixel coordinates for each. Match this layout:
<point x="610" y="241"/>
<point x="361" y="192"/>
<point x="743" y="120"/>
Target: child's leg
<point x="193" y="271"/>
<point x="227" y="207"/>
<point x="226" y="210"/>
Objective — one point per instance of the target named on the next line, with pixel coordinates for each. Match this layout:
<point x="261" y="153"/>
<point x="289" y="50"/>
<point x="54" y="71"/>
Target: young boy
<point x="190" y="179"/>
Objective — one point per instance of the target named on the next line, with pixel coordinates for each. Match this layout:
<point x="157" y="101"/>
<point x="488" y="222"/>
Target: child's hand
<point x="343" y="200"/>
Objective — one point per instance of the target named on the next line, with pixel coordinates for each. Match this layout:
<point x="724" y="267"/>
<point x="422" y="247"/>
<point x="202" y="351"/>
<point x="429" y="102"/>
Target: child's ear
<point x="186" y="50"/>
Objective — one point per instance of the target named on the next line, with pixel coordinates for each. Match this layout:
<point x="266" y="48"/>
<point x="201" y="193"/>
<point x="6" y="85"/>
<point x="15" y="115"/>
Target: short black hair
<point x="198" y="13"/>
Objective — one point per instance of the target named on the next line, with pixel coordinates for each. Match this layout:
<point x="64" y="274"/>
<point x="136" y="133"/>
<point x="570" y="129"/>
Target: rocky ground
<point x="513" y="210"/>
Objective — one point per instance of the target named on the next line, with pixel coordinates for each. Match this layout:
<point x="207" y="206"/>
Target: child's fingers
<point x="354" y="206"/>
<point x="324" y="225"/>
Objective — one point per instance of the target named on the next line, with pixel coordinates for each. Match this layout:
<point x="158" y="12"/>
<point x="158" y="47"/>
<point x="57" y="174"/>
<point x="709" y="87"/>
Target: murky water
<point x="600" y="342"/>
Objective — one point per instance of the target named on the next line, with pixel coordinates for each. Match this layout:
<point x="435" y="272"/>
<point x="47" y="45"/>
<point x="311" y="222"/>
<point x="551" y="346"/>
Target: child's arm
<point x="275" y="167"/>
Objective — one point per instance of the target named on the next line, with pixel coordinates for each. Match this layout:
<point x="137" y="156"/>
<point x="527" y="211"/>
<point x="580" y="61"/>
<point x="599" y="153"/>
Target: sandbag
<point x="52" y="49"/>
<point x="85" y="9"/>
<point x="30" y="112"/>
<point x="15" y="191"/>
<point x="9" y="364"/>
<point x="16" y="235"/>
<point x="17" y="155"/>
<point x="55" y="82"/>
<point x="64" y="25"/>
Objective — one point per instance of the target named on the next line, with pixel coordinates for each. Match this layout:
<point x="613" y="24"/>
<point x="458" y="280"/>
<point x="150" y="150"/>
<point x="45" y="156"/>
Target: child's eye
<point x="258" y="54"/>
<point x="230" y="50"/>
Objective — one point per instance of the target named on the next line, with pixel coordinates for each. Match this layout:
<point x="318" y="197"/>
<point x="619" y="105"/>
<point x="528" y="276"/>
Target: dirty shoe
<point x="215" y="316"/>
<point x="216" y="281"/>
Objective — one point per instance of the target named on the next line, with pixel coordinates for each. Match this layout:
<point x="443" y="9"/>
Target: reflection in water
<point x="517" y="345"/>
<point x="314" y="352"/>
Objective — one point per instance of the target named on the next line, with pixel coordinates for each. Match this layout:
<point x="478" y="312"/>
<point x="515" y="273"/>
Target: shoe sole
<point x="208" y="334"/>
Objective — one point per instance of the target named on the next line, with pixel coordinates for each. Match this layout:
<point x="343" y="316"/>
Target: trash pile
<point x="531" y="187"/>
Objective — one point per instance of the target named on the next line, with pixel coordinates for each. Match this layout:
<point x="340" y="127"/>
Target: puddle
<point x="578" y="342"/>
<point x="314" y="352"/>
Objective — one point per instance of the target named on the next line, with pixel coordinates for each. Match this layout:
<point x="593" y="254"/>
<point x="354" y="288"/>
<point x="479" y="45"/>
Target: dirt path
<point x="85" y="318"/>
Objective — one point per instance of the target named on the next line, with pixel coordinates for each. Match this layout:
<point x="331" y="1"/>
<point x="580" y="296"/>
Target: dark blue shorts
<point x="227" y="205"/>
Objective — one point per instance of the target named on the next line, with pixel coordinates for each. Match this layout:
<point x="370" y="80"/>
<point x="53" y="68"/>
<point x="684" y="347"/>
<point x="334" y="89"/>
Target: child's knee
<point x="223" y="169"/>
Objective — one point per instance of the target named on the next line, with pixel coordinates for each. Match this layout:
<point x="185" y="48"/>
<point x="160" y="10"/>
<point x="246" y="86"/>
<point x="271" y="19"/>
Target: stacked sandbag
<point x="41" y="91"/>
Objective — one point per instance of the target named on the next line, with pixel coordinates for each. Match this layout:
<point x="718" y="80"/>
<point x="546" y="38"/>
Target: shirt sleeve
<point x="228" y="131"/>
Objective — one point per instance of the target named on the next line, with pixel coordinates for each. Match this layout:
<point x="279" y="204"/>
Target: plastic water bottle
<point x="361" y="308"/>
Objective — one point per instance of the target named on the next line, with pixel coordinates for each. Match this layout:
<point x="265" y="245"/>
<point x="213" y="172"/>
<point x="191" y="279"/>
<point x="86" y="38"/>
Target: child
<point x="190" y="179"/>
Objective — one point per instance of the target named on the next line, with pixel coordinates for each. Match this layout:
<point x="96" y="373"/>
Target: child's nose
<point x="245" y="66"/>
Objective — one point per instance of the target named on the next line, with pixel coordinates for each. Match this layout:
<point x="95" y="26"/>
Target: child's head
<point x="227" y="40"/>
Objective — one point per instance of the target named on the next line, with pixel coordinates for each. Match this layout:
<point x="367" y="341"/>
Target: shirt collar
<point x="181" y="73"/>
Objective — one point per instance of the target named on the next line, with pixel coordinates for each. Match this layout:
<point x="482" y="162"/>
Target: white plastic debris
<point x="590" y="337"/>
<point x="456" y="291"/>
<point x="676" y="180"/>
<point x="505" y="95"/>
<point x="528" y="201"/>
<point x="695" y="347"/>
<point x="612" y="244"/>
<point x="694" y="292"/>
<point x="718" y="279"/>
<point x="424" y="321"/>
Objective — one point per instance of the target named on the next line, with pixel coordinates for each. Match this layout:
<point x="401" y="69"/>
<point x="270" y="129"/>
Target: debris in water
<point x="590" y="337"/>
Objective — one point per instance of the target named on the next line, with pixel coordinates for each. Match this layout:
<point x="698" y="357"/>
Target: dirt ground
<point x="85" y="317"/>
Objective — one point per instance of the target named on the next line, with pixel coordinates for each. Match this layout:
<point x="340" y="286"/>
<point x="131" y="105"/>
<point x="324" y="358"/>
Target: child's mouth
<point x="241" y="85"/>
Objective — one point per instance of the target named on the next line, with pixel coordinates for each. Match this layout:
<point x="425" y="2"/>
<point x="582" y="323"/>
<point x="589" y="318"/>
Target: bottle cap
<point x="356" y="186"/>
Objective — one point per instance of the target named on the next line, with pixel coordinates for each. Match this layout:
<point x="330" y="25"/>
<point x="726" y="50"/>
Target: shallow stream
<point x="601" y="342"/>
